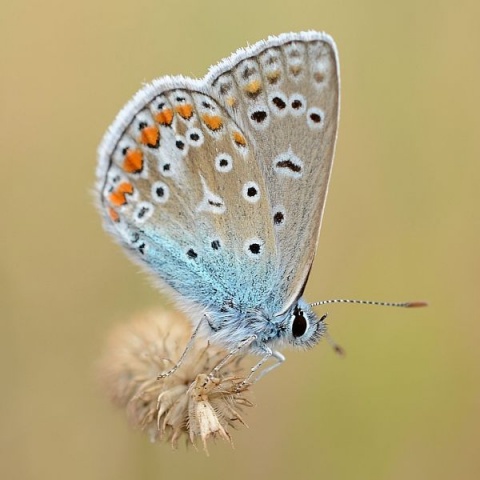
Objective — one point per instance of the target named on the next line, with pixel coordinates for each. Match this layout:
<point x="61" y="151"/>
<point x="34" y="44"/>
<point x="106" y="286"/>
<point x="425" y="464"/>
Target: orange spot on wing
<point x="231" y="101"/>
<point x="239" y="139"/>
<point x="125" y="187"/>
<point x="213" y="122"/>
<point x="117" y="198"/>
<point x="254" y="87"/>
<point x="133" y="162"/>
<point x="165" y="117"/>
<point x="150" y="136"/>
<point x="273" y="76"/>
<point x="295" y="69"/>
<point x="113" y="214"/>
<point x="185" y="111"/>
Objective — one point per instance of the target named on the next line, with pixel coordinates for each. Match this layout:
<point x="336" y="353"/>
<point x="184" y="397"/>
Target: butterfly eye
<point x="299" y="324"/>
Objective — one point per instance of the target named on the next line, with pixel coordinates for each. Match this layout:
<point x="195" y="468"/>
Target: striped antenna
<point x="336" y="347"/>
<point x="371" y="302"/>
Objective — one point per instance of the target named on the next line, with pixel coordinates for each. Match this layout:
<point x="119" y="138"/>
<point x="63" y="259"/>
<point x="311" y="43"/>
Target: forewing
<point x="284" y="93"/>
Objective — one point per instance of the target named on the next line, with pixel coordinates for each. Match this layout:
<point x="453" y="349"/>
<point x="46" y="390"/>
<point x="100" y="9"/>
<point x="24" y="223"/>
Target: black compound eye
<point x="299" y="324"/>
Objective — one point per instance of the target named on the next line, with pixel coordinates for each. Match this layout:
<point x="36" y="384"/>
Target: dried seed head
<point x="188" y="403"/>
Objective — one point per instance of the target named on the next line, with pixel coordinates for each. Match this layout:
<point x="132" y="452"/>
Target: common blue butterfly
<point x="217" y="186"/>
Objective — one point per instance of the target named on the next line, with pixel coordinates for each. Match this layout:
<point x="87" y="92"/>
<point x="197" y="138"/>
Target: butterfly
<point x="217" y="187"/>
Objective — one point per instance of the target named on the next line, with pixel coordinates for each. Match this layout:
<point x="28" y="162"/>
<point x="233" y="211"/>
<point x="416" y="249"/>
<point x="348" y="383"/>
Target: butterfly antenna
<point x="336" y="347"/>
<point x="371" y="302"/>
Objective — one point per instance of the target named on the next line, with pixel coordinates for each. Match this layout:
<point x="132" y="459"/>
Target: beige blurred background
<point x="401" y="222"/>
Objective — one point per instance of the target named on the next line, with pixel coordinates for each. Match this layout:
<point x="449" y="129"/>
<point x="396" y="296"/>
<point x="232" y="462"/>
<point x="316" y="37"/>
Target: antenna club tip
<point x="416" y="304"/>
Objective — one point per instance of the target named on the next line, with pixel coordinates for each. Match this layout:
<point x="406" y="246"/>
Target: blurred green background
<point x="401" y="222"/>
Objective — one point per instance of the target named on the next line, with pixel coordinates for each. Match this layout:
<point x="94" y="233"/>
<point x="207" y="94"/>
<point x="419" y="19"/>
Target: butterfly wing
<point x="180" y="189"/>
<point x="284" y="93"/>
<point x="217" y="186"/>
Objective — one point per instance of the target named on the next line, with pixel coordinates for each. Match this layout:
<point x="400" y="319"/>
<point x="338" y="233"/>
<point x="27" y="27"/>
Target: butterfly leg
<point x="184" y="354"/>
<point x="268" y="353"/>
<point x="241" y="345"/>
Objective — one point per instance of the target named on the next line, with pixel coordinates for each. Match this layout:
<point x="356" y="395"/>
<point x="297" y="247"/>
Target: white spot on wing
<point x="288" y="164"/>
<point x="259" y="116"/>
<point x="315" y="118"/>
<point x="211" y="202"/>
<point x="253" y="247"/>
<point x="297" y="104"/>
<point x="223" y="162"/>
<point x="251" y="192"/>
<point x="194" y="137"/>
<point x="160" y="192"/>
<point x="166" y="167"/>
<point x="278" y="102"/>
<point x="143" y="211"/>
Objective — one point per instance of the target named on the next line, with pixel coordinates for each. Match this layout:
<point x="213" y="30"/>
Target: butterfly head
<point x="301" y="327"/>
